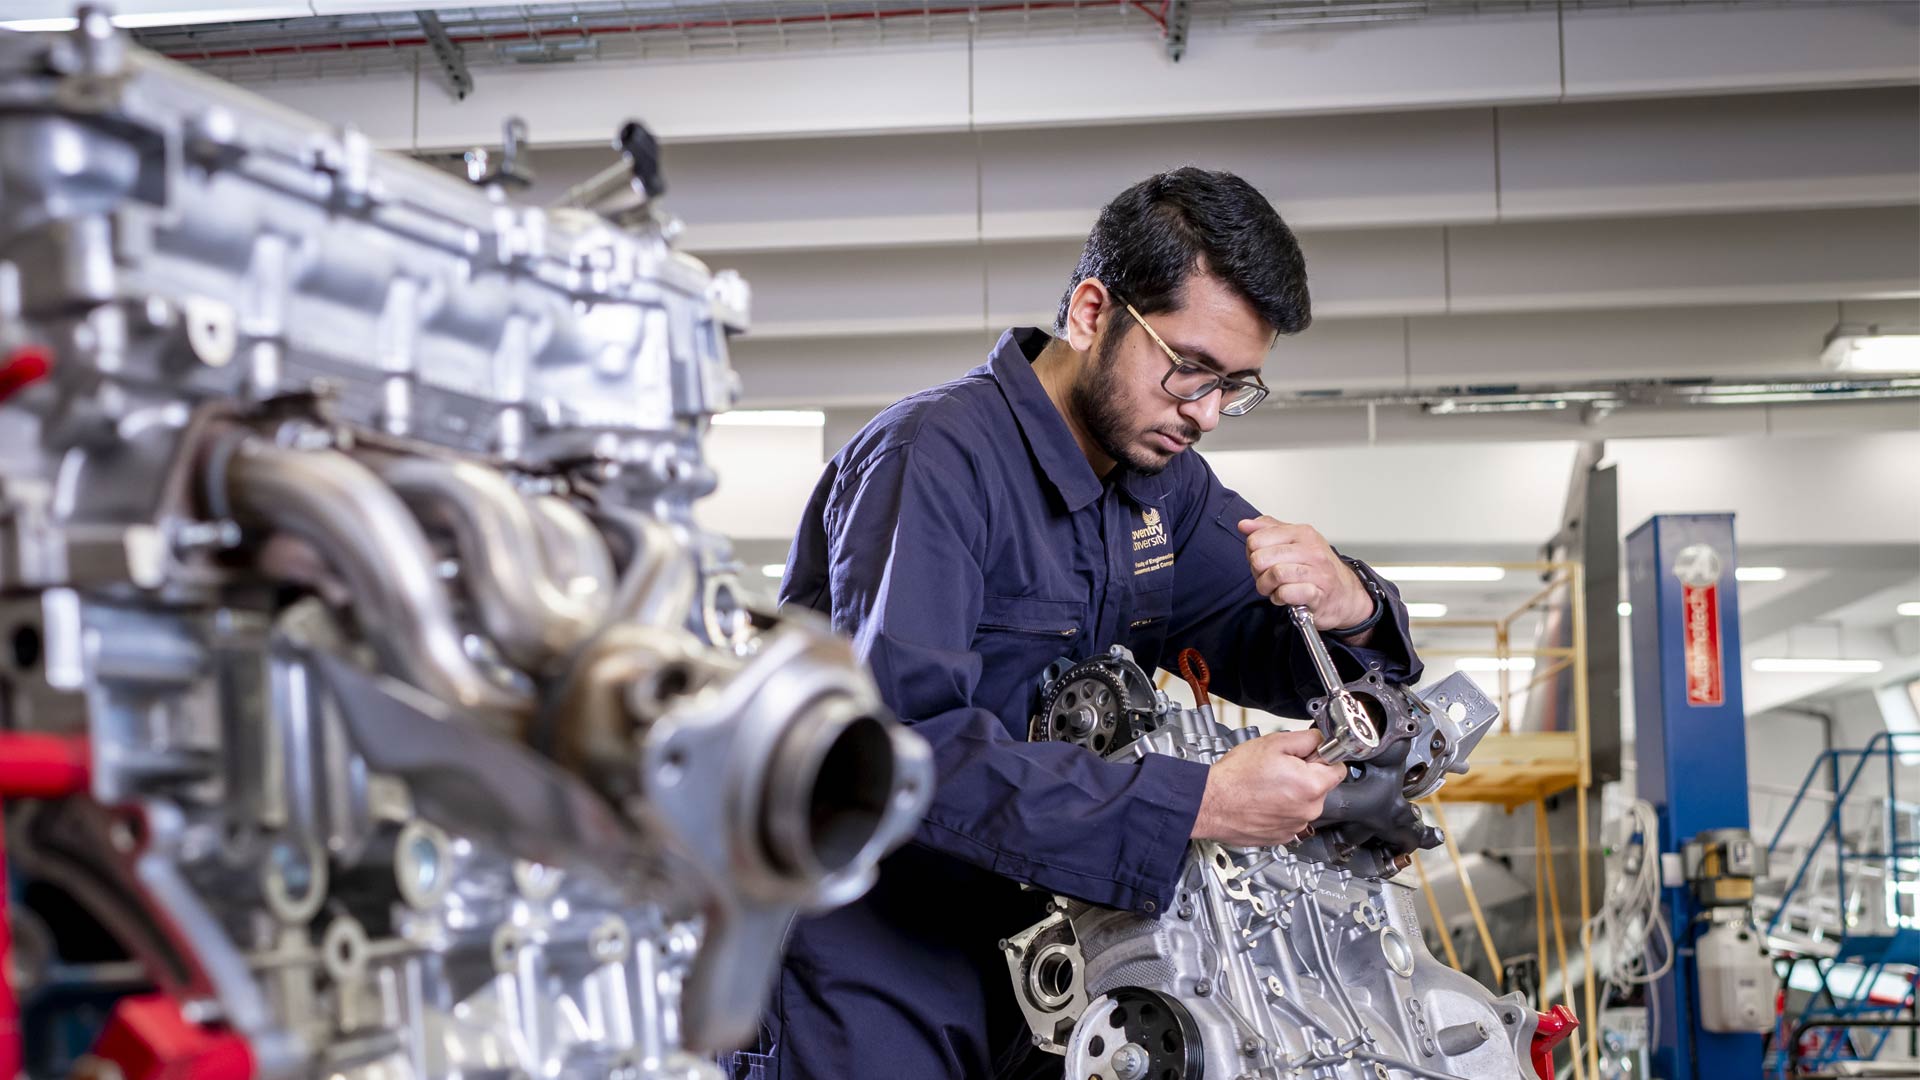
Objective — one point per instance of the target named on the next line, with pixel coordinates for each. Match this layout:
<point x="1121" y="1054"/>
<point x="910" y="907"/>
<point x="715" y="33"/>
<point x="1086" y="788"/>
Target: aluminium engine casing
<point x="1304" y="960"/>
<point x="346" y="540"/>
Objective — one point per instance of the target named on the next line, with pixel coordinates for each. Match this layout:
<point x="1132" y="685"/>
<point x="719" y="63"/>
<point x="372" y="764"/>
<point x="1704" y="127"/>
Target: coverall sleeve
<point x="1254" y="652"/>
<point x="906" y="544"/>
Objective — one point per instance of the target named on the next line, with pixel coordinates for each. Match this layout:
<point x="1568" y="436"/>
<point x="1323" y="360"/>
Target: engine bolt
<point x="1130" y="1062"/>
<point x="1202" y="988"/>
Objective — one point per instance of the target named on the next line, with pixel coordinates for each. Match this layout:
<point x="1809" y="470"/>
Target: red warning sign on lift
<point x="1705" y="682"/>
<point x="1698" y="569"/>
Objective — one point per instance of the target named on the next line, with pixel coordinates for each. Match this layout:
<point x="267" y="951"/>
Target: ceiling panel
<point x="1705" y="259"/>
<point x="1376" y="169"/>
<point x="1699" y="49"/>
<point x="1710" y="154"/>
<point x="1632" y="343"/>
<point x="1346" y="69"/>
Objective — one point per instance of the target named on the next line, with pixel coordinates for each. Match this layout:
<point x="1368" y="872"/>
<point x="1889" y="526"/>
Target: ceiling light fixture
<point x="1907" y="607"/>
<point x="1759" y="573"/>
<point x="1870" y="347"/>
<point x="1625" y="608"/>
<point x="1811" y="665"/>
<point x="1419" y="610"/>
<point x="786" y="418"/>
<point x="1440" y="573"/>
<point x="774" y="569"/>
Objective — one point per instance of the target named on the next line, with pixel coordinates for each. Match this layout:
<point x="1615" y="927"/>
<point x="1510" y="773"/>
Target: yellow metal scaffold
<point x="1513" y="768"/>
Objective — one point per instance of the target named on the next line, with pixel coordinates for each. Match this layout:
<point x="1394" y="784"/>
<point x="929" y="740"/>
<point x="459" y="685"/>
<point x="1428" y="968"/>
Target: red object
<point x="1193" y="668"/>
<point x="10" y="1051"/>
<point x="35" y="767"/>
<point x="42" y="766"/>
<point x="148" y="1039"/>
<point x="27" y="364"/>
<point x="1700" y="636"/>
<point x="1554" y="1028"/>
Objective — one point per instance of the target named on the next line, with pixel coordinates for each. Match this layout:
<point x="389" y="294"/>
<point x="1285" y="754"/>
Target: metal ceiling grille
<point x="622" y="30"/>
<point x="455" y="39"/>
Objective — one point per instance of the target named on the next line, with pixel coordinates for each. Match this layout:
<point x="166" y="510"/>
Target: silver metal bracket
<point x="453" y="60"/>
<point x="1178" y="15"/>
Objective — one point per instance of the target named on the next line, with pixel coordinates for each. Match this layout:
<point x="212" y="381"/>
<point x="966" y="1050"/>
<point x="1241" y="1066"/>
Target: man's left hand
<point x="1294" y="564"/>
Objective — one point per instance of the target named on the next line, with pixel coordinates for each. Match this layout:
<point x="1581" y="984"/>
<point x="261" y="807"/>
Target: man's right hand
<point x="1264" y="791"/>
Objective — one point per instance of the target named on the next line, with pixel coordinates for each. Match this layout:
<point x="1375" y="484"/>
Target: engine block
<point x="394" y="717"/>
<point x="1304" y="960"/>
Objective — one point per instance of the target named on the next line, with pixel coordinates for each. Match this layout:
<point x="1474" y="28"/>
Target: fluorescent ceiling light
<point x="1493" y="663"/>
<point x="1440" y="573"/>
<point x="795" y="418"/>
<point x="1625" y="609"/>
<point x="1805" y="665"/>
<point x="774" y="569"/>
<point x="1872" y="348"/>
<point x="1427" y="611"/>
<point x="1759" y="573"/>
<point x="1908" y="607"/>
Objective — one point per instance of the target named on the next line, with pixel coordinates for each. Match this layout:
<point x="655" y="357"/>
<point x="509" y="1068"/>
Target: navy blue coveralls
<point x="964" y="543"/>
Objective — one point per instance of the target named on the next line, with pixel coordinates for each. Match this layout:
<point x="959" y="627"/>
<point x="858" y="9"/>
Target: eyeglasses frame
<point x="1220" y="382"/>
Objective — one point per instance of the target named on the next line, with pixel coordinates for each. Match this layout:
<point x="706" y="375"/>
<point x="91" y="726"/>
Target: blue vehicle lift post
<point x="1690" y="745"/>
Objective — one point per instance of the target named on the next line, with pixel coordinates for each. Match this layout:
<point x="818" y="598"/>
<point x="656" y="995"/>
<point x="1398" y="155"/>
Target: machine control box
<point x="1736" y="978"/>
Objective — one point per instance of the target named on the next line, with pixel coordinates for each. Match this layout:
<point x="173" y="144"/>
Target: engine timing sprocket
<point x="1101" y="704"/>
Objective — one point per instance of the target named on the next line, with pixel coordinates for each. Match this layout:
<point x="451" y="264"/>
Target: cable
<point x="1630" y="920"/>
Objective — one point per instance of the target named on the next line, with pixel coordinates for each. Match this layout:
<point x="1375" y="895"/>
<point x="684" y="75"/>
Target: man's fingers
<point x="1282" y="555"/>
<point x="1277" y="535"/>
<point x="1297" y="743"/>
<point x="1268" y="578"/>
<point x="1327" y="777"/>
<point x="1298" y="593"/>
<point x="1264" y="521"/>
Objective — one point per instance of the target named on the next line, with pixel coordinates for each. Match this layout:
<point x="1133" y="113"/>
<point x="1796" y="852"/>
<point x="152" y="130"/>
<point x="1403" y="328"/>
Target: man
<point x="1043" y="506"/>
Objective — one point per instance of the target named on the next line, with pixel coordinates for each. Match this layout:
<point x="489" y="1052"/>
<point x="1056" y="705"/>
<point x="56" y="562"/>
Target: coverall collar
<point x="1040" y="421"/>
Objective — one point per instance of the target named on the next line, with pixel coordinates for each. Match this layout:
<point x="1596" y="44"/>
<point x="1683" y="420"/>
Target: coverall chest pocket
<point x="1030" y="620"/>
<point x="1147" y="625"/>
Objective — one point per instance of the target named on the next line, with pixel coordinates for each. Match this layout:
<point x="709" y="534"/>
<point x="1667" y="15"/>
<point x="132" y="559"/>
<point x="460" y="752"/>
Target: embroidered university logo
<point x="1151" y="534"/>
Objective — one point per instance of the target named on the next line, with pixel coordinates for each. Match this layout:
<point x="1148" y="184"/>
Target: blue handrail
<point x="1883" y="744"/>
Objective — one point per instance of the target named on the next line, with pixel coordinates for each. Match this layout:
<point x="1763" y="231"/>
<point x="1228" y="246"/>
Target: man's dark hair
<point x="1156" y="234"/>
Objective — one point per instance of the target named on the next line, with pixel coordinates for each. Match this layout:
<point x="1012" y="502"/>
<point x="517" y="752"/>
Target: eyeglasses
<point x="1189" y="381"/>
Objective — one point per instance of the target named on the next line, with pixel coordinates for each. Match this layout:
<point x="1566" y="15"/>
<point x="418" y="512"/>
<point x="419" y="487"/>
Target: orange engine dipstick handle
<point x="1193" y="668"/>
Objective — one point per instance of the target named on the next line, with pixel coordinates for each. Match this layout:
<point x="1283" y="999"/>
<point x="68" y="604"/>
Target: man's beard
<point x="1096" y="399"/>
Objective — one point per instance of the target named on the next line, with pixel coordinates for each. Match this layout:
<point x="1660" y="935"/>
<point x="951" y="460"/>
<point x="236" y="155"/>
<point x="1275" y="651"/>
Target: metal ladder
<point x="1863" y="933"/>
